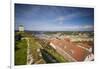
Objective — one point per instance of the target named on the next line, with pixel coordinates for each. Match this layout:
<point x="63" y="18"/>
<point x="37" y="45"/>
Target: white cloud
<point x="69" y="16"/>
<point x="64" y="28"/>
<point x="60" y="19"/>
<point x="87" y="26"/>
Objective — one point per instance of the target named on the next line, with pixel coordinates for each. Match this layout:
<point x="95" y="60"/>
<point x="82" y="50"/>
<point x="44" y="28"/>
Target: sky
<point x="53" y="18"/>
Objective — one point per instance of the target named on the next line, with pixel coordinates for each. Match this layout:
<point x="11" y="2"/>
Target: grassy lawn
<point x="21" y="52"/>
<point x="52" y="52"/>
<point x="56" y="55"/>
<point x="21" y="49"/>
<point x="34" y="45"/>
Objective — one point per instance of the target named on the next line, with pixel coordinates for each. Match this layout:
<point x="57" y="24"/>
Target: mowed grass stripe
<point x="21" y="53"/>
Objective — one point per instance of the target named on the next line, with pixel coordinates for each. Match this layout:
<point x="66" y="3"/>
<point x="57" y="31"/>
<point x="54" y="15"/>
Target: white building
<point x="21" y="28"/>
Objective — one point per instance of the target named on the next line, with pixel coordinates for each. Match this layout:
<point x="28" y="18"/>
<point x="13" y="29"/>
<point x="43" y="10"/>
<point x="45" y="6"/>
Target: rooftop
<point x="75" y="50"/>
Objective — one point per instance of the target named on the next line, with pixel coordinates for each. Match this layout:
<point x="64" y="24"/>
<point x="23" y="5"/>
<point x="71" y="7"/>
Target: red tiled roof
<point x="71" y="48"/>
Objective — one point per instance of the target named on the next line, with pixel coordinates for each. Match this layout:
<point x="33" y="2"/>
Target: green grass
<point x="34" y="45"/>
<point x="21" y="49"/>
<point x="56" y="55"/>
<point x="21" y="52"/>
<point x="52" y="51"/>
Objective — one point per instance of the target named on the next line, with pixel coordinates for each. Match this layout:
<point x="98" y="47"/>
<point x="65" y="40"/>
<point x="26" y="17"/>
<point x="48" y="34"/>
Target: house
<point x="21" y="28"/>
<point x="69" y="50"/>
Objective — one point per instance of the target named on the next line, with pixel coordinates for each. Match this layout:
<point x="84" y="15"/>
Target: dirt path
<point x="29" y="55"/>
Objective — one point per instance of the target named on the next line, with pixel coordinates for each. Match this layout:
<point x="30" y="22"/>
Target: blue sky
<point x="53" y="18"/>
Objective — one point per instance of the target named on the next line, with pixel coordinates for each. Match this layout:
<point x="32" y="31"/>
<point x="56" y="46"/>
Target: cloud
<point x="88" y="26"/>
<point x="61" y="18"/>
<point x="70" y="16"/>
<point x="63" y="28"/>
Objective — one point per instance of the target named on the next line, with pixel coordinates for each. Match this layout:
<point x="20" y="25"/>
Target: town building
<point x="21" y="28"/>
<point x="71" y="51"/>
